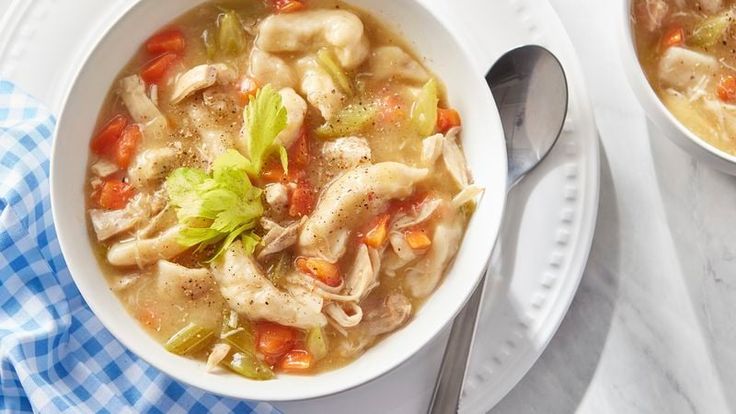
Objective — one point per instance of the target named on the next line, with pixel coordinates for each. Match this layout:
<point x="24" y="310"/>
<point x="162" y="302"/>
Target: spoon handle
<point x="449" y="385"/>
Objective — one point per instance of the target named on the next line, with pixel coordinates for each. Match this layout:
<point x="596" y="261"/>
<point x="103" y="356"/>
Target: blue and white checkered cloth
<point x="55" y="356"/>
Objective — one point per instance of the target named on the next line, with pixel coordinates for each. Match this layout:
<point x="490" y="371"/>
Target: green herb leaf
<point x="216" y="208"/>
<point x="265" y="117"/>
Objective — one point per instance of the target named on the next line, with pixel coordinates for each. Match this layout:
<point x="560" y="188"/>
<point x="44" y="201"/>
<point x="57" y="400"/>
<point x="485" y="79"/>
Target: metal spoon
<point x="530" y="90"/>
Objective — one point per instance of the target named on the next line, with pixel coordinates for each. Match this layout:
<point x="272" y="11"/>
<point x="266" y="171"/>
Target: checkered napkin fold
<point x="55" y="356"/>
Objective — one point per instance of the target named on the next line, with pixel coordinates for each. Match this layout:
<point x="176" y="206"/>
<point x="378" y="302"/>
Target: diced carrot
<point x="299" y="150"/>
<point x="127" y="144"/>
<point x="288" y="6"/>
<point x="326" y="272"/>
<point x="727" y="89"/>
<point x="155" y="70"/>
<point x="171" y="41"/>
<point x="301" y="202"/>
<point x="674" y="36"/>
<point x="273" y="171"/>
<point x="247" y="89"/>
<point x="378" y="234"/>
<point x="115" y="194"/>
<point x="274" y="340"/>
<point x="417" y="239"/>
<point x="296" y="361"/>
<point x="106" y="139"/>
<point x="447" y="119"/>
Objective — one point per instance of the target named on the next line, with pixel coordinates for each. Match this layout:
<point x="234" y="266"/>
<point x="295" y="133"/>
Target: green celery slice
<point x="424" y="110"/>
<point x="709" y="31"/>
<point x="330" y="65"/>
<point x="351" y="120"/>
<point x="247" y="365"/>
<point x="192" y="338"/>
<point x="317" y="343"/>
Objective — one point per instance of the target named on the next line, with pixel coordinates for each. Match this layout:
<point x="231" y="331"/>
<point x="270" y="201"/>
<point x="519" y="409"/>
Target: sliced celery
<point x="351" y="120"/>
<point x="243" y="340"/>
<point x="709" y="31"/>
<point x="330" y="65"/>
<point x="247" y="365"/>
<point x="317" y="343"/>
<point x="231" y="37"/>
<point x="210" y="44"/>
<point x="424" y="110"/>
<point x="278" y="272"/>
<point x="192" y="338"/>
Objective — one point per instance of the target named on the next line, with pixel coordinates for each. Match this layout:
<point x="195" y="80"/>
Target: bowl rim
<point x="493" y="230"/>
<point x="644" y="89"/>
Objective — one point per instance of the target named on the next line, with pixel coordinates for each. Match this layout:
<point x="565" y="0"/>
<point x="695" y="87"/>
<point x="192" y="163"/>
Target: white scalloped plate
<point x="550" y="219"/>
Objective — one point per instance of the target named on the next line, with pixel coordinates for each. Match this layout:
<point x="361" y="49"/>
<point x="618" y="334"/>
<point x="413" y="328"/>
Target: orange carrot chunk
<point x="378" y="234"/>
<point x="302" y="200"/>
<point x="288" y="6"/>
<point x="417" y="239"/>
<point x="674" y="36"/>
<point x="447" y="119"/>
<point x="727" y="89"/>
<point x="115" y="194"/>
<point x="274" y="340"/>
<point x="322" y="270"/>
<point x="171" y="41"/>
<point x="106" y="139"/>
<point x="127" y="144"/>
<point x="155" y="70"/>
<point x="296" y="361"/>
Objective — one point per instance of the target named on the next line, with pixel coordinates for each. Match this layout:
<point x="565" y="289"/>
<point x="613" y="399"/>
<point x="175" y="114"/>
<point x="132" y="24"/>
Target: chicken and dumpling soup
<point x="274" y="187"/>
<point x="687" y="49"/>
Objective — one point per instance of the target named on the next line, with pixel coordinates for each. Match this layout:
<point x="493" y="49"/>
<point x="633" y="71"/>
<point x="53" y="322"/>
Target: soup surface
<point x="688" y="51"/>
<point x="274" y="187"/>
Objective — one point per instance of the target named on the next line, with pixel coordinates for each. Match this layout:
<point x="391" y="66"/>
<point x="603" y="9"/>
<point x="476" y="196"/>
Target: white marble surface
<point x="651" y="329"/>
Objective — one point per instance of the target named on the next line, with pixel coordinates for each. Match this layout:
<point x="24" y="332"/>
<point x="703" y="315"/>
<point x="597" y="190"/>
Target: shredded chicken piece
<point x="143" y="111"/>
<point x="103" y="168"/>
<point x="201" y="77"/>
<point x="217" y="355"/>
<point x="279" y="238"/>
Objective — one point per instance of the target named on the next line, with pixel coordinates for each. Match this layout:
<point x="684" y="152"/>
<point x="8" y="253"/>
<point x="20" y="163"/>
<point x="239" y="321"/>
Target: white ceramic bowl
<point x="484" y="146"/>
<point x="655" y="109"/>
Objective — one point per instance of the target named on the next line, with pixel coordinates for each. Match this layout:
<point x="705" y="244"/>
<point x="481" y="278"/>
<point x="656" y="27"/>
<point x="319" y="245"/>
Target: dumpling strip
<point x="251" y="294"/>
<point x="143" y="252"/>
<point x="310" y="30"/>
<point x="424" y="275"/>
<point x="352" y="199"/>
